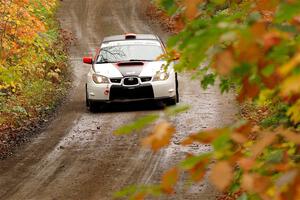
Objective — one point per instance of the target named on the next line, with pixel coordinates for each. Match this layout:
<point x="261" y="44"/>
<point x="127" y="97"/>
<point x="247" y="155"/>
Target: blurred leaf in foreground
<point x="137" y="125"/>
<point x="169" y="180"/>
<point x="160" y="137"/>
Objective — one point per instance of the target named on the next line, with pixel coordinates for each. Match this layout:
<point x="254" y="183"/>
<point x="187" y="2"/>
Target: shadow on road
<point x="130" y="107"/>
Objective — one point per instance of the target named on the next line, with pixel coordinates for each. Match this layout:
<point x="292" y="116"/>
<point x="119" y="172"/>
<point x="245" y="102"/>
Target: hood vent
<point x="137" y="63"/>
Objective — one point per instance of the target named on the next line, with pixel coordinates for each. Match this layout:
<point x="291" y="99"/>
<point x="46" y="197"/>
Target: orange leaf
<point x="140" y="196"/>
<point x="224" y="62"/>
<point x="160" y="137"/>
<point x="291" y="136"/>
<point x="262" y="143"/>
<point x="238" y="138"/>
<point x="191" y="8"/>
<point x="293" y="191"/>
<point x="255" y="183"/>
<point x="203" y="137"/>
<point x="221" y="175"/>
<point x="245" y="128"/>
<point x="169" y="180"/>
<point x="250" y="90"/>
<point x="246" y="163"/>
<point x="271" y="81"/>
<point x="258" y="29"/>
<point x="271" y="39"/>
<point x="269" y="5"/>
<point x="197" y="173"/>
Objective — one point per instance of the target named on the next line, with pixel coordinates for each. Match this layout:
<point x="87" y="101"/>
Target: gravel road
<point x="77" y="157"/>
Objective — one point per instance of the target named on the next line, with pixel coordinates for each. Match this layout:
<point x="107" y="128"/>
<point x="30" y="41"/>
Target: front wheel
<point x="171" y="101"/>
<point x="93" y="106"/>
<point x="87" y="102"/>
<point x="177" y="88"/>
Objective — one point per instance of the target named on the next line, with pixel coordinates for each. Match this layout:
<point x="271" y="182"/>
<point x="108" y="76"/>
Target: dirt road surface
<point x="77" y="157"/>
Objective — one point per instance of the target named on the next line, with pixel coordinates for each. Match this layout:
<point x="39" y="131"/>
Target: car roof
<point x="137" y="37"/>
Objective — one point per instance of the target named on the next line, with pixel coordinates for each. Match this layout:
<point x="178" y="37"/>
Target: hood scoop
<point x="130" y="68"/>
<point x="130" y="63"/>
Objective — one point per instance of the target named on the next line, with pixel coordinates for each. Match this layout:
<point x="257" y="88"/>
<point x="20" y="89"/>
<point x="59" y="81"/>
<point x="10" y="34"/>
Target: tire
<point x="177" y="90"/>
<point x="87" y="102"/>
<point x="171" y="101"/>
<point x="93" y="106"/>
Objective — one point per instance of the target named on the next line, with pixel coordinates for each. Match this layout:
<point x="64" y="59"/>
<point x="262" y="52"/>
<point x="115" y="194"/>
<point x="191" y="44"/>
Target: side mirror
<point x="87" y="60"/>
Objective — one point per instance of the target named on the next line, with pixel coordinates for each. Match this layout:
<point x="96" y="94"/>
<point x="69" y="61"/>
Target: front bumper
<point x="111" y="92"/>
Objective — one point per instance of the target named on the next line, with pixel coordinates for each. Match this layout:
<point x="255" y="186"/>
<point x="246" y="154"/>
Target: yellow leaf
<point x="288" y="67"/>
<point x="160" y="137"/>
<point x="221" y="175"/>
<point x="290" y="86"/>
<point x="294" y="112"/>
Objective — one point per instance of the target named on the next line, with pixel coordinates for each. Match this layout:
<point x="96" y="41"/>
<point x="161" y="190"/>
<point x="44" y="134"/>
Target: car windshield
<point x="129" y="52"/>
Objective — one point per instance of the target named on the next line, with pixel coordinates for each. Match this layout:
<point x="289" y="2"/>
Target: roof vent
<point x="130" y="36"/>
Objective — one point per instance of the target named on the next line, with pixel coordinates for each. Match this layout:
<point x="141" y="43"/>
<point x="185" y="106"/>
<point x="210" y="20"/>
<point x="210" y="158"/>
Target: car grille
<point x="118" y="92"/>
<point x="115" y="80"/>
<point x="146" y="79"/>
<point x="131" y="81"/>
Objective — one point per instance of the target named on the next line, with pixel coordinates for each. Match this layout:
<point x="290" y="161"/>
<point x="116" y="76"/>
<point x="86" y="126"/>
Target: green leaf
<point x="275" y="156"/>
<point x="190" y="162"/>
<point x="287" y="10"/>
<point x="174" y="110"/>
<point x="254" y="17"/>
<point x="132" y="190"/>
<point x="169" y="6"/>
<point x="268" y="70"/>
<point x="172" y="41"/>
<point x="19" y="109"/>
<point x="126" y="191"/>
<point x="244" y="196"/>
<point x="224" y="85"/>
<point x="222" y="142"/>
<point x="137" y="125"/>
<point x="242" y="70"/>
<point x="208" y="80"/>
<point x="218" y="2"/>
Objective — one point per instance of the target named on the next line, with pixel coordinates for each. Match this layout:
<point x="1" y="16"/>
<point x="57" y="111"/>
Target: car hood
<point x="130" y="69"/>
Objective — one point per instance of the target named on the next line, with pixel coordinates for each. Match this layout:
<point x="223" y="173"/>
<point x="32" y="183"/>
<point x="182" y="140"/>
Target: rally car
<point x="127" y="68"/>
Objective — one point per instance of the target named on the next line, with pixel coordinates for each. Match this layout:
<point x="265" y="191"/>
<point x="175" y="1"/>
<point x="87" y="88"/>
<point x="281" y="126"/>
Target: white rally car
<point x="126" y="68"/>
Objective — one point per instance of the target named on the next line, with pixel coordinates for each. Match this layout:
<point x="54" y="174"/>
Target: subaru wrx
<point x="127" y="68"/>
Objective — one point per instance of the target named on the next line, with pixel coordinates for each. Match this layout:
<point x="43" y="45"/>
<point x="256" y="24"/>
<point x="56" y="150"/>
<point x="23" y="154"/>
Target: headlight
<point x="161" y="76"/>
<point x="99" y="79"/>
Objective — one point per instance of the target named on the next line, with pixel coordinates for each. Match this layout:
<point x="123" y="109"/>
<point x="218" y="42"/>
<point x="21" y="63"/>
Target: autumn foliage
<point x="253" y="46"/>
<point x="32" y="60"/>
